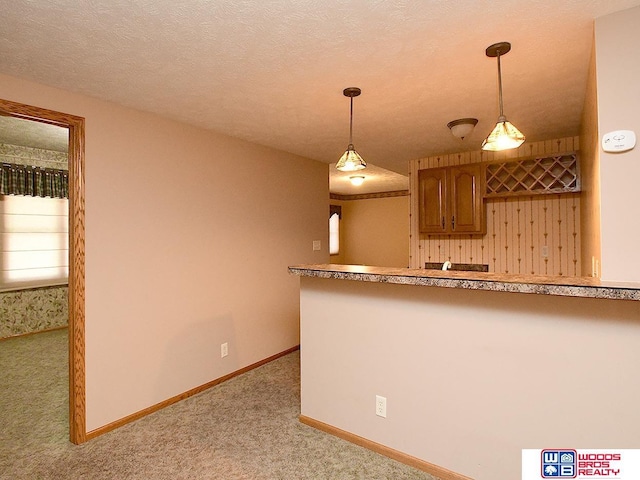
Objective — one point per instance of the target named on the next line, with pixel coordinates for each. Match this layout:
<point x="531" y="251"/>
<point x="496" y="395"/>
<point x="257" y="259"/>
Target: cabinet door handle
<point x="443" y="223"/>
<point x="453" y="222"/>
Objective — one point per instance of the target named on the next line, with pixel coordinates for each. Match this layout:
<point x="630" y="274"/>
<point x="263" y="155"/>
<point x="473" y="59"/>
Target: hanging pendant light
<point x="505" y="135"/>
<point x="350" y="160"/>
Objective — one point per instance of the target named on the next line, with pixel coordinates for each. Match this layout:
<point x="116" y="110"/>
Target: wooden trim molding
<point x="159" y="406"/>
<point x="30" y="334"/>
<point x="440" y="472"/>
<point x="77" y="407"/>
<point x="366" y="196"/>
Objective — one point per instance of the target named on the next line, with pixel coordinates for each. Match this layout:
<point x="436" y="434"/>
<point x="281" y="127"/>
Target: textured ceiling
<point x="376" y="180"/>
<point x="273" y="71"/>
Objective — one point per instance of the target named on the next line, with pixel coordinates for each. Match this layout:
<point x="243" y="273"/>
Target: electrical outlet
<point x="224" y="350"/>
<point x="381" y="406"/>
<point x="317" y="245"/>
<point x="545" y="251"/>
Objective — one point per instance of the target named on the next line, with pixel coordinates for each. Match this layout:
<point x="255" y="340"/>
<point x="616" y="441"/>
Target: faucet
<point x="446" y="265"/>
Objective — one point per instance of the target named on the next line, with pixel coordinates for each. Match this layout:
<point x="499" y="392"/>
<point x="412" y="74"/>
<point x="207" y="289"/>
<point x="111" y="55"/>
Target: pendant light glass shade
<point x="351" y="161"/>
<point x="505" y="135"/>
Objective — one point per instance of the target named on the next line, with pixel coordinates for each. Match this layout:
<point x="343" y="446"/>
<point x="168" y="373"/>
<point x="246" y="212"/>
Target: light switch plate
<point x="618" y="141"/>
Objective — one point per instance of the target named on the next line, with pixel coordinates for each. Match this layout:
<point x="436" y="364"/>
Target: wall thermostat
<point x="619" y="141"/>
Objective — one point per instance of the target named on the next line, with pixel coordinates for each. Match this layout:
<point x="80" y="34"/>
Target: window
<point x="335" y="213"/>
<point x="34" y="241"/>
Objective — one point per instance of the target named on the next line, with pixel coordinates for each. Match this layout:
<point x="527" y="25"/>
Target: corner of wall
<point x="617" y="109"/>
<point x="590" y="174"/>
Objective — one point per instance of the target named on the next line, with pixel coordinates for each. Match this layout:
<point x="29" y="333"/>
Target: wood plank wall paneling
<point x="517" y="228"/>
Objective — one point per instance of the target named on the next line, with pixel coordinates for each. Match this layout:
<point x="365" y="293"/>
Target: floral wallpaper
<point x="33" y="310"/>
<point x="33" y="157"/>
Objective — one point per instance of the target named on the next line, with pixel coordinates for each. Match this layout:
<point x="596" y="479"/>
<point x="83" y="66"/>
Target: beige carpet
<point x="246" y="428"/>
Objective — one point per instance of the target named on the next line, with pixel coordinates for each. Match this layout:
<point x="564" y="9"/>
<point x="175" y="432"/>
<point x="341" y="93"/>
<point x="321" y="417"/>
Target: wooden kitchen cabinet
<point x="450" y="200"/>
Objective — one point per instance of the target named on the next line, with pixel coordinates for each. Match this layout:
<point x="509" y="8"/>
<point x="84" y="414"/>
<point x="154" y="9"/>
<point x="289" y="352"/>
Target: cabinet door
<point x="432" y="186"/>
<point x="466" y="200"/>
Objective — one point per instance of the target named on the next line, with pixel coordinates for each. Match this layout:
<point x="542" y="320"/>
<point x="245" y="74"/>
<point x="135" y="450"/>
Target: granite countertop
<point x="562" y="286"/>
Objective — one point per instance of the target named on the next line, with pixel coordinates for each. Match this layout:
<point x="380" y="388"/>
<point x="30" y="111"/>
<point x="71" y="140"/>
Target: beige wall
<point x="618" y="77"/>
<point x="188" y="238"/>
<point x="470" y="377"/>
<point x="590" y="173"/>
<point x="517" y="228"/>
<point x="375" y="231"/>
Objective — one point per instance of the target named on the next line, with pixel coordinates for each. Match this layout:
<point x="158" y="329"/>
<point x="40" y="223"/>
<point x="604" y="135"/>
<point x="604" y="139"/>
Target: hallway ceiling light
<point x="505" y="135"/>
<point x="462" y="127"/>
<point x="351" y="160"/>
<point x="356" y="181"/>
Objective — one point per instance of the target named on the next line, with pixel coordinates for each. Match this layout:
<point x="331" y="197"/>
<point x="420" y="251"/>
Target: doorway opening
<point x="76" y="297"/>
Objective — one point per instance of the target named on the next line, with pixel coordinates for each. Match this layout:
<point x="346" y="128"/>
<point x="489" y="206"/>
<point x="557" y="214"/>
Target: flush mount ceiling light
<point x="351" y="160"/>
<point x="505" y="135"/>
<point x="356" y="181"/>
<point x="462" y="127"/>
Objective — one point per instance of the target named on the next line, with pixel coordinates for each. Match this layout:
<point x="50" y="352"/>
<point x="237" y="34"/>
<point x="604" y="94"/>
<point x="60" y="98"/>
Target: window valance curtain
<point x="33" y="181"/>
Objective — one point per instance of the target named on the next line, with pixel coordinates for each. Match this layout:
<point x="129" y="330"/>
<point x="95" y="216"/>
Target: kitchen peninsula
<point x="474" y="366"/>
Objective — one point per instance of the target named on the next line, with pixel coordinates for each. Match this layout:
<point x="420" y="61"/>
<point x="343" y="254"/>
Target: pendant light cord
<point x="500" y="84"/>
<point x="351" y="124"/>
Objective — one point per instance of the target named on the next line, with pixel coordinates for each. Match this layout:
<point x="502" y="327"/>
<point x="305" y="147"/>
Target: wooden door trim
<point x="77" y="405"/>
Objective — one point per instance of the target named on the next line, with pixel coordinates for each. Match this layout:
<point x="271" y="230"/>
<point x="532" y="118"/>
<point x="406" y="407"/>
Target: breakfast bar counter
<point x="473" y="367"/>
<point x="562" y="286"/>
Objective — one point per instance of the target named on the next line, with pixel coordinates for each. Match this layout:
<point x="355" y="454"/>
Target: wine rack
<point x="531" y="176"/>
